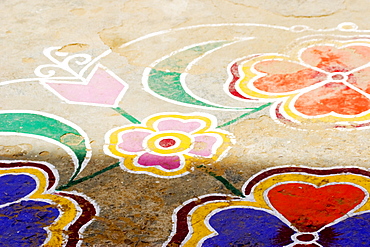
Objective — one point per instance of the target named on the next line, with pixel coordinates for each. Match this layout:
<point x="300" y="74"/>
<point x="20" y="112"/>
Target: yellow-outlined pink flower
<point x="166" y="144"/>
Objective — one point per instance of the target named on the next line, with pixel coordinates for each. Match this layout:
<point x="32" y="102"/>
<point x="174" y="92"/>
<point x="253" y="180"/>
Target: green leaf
<point x="50" y="128"/>
<point x="170" y="86"/>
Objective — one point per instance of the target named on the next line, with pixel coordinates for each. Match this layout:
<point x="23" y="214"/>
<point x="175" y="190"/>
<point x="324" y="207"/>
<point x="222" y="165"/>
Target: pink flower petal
<point x="167" y="162"/>
<point x="174" y="124"/>
<point x="361" y="79"/>
<point x="203" y="145"/>
<point x="284" y="77"/>
<point x="103" y="89"/>
<point x="132" y="141"/>
<point x="333" y="59"/>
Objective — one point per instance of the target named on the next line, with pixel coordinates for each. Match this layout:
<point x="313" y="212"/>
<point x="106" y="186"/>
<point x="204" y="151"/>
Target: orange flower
<point x="325" y="82"/>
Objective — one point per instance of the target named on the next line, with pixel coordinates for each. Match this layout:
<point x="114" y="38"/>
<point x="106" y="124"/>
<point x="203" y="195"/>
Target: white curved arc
<point x="64" y="65"/>
<point x="148" y="69"/>
<point x="174" y="215"/>
<point x="65" y="148"/>
<point x="59" y="64"/>
<point x="293" y="101"/>
<point x="231" y="77"/>
<point x="52" y="191"/>
<point x="47" y="139"/>
<point x="153" y="64"/>
<point x="240" y="25"/>
<point x="93" y="61"/>
<point x="192" y="63"/>
<point x="47" y="51"/>
<point x="79" y="212"/>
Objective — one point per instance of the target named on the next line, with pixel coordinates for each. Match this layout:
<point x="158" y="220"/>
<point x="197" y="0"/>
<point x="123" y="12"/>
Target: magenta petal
<point x="203" y="145"/>
<point x="133" y="141"/>
<point x="167" y="162"/>
<point x="174" y="124"/>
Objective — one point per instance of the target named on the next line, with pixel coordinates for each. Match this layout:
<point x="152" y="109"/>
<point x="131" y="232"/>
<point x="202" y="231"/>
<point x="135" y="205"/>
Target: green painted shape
<point x="168" y="85"/>
<point x="39" y="125"/>
<point x="177" y="61"/>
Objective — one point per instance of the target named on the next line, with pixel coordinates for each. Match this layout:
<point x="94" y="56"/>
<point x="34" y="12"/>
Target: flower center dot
<point x="306" y="237"/>
<point x="337" y="77"/>
<point x="166" y="143"/>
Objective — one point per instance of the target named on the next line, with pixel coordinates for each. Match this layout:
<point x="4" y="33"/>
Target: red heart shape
<point x="309" y="208"/>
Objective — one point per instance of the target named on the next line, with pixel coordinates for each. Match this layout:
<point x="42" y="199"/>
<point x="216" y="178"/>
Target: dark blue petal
<point x="22" y="223"/>
<point x="248" y="227"/>
<point x="351" y="232"/>
<point x="15" y="186"/>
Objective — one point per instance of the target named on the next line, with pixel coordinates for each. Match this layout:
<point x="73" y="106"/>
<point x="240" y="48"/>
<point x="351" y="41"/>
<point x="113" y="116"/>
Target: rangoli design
<point x="323" y="82"/>
<point x="320" y="77"/>
<point x="285" y="206"/>
<point x="166" y="145"/>
<point x="31" y="207"/>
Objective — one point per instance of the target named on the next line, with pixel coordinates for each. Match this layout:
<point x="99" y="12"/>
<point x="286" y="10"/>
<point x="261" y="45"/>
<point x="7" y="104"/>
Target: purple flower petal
<point x="22" y="224"/>
<point x="15" y="186"/>
<point x="248" y="227"/>
<point x="351" y="232"/>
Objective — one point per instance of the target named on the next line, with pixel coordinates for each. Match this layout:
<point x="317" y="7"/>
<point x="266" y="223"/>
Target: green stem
<point x="83" y="179"/>
<point x="227" y="184"/>
<point x="244" y="115"/>
<point x="126" y="115"/>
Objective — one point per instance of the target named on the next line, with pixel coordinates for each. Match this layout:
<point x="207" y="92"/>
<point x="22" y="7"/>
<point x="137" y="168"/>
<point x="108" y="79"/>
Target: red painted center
<point x="166" y="143"/>
<point x="337" y="77"/>
<point x="306" y="237"/>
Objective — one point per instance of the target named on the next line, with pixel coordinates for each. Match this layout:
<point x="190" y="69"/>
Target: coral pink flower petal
<point x="361" y="79"/>
<point x="333" y="97"/>
<point x="333" y="59"/>
<point x="132" y="141"/>
<point x="167" y="162"/>
<point x="203" y="145"/>
<point x="177" y="125"/>
<point x="285" y="76"/>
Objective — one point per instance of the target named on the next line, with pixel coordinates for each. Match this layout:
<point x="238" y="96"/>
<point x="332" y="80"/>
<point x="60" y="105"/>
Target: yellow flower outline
<point x="248" y="75"/>
<point x="200" y="230"/>
<point x="208" y="125"/>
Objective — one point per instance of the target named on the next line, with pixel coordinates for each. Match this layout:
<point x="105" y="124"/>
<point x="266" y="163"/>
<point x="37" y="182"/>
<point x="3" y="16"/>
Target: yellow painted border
<point x="245" y="83"/>
<point x="129" y="159"/>
<point x="67" y="207"/>
<point x="197" y="218"/>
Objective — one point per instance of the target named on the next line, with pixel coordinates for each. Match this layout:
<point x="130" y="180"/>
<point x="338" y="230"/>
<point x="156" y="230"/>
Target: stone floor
<point x="185" y="123"/>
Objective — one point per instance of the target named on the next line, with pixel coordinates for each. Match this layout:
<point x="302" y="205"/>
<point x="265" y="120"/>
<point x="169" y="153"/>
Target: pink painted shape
<point x="102" y="89"/>
<point x="173" y="124"/>
<point x="329" y="57"/>
<point x="133" y="141"/>
<point x="203" y="145"/>
<point x="167" y="162"/>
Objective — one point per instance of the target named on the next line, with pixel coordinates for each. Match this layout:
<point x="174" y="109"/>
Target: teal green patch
<point x="167" y="83"/>
<point x="34" y="124"/>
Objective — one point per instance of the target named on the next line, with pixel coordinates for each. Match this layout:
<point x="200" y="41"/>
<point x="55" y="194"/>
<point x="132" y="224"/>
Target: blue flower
<point x="22" y="220"/>
<point x="254" y="227"/>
